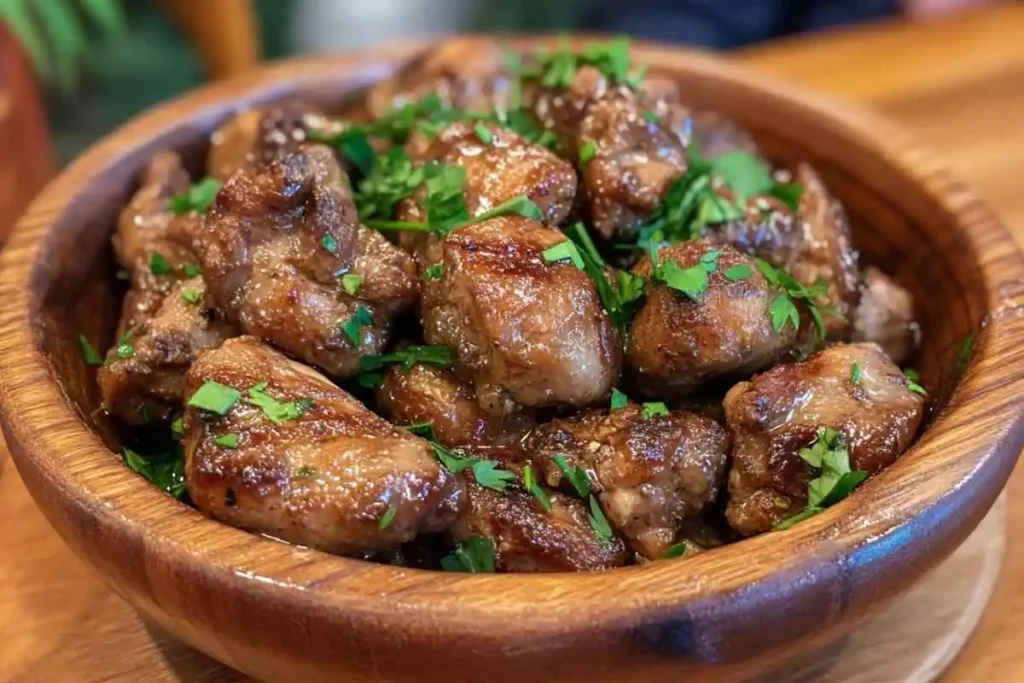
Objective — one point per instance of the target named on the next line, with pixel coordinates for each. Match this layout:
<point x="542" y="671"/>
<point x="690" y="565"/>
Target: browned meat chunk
<point x="650" y="474"/>
<point x="430" y="394"/>
<point x="525" y="331"/>
<point x="885" y="316"/>
<point x="627" y="162"/>
<point x="780" y="411"/>
<point x="529" y="539"/>
<point x="147" y="230"/>
<point x="300" y="459"/>
<point x="465" y="73"/>
<point x="145" y="380"/>
<point x="813" y="244"/>
<point x="259" y="136"/>
<point x="677" y="344"/>
<point x="275" y="249"/>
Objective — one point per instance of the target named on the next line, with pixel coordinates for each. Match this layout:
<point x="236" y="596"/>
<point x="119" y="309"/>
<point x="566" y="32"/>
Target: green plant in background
<point x="58" y="35"/>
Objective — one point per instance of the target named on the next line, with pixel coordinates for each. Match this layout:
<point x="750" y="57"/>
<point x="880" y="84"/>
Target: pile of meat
<point x="252" y="295"/>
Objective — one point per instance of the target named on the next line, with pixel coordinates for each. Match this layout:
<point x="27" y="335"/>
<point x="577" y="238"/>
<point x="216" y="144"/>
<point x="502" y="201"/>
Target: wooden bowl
<point x="291" y="614"/>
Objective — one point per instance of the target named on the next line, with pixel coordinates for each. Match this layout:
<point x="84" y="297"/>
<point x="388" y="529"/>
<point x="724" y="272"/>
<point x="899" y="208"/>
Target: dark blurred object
<point x="26" y="162"/>
<point x="729" y="23"/>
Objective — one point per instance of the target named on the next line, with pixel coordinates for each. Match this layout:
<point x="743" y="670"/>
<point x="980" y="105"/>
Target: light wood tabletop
<point x="957" y="84"/>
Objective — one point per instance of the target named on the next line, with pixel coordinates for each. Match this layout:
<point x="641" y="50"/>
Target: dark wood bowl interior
<point x="288" y="613"/>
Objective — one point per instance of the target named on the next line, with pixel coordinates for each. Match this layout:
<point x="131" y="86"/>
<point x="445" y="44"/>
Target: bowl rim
<point x="46" y="434"/>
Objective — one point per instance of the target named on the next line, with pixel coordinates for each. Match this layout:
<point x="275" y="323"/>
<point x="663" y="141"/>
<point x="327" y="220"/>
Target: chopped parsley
<point x="588" y="150"/>
<point x="329" y="243"/>
<point x="598" y="522"/>
<point x="214" y="397"/>
<point x="158" y="265"/>
<point x="192" y="270"/>
<point x="353" y="327"/>
<point x="676" y="550"/>
<point x="275" y="410"/>
<point x="177" y="428"/>
<point x="966" y="351"/>
<point x="836" y="480"/>
<point x="740" y="271"/>
<point x="434" y="272"/>
<point x="692" y="281"/>
<point x="914" y="382"/>
<point x="474" y="555"/>
<point x="483" y="133"/>
<point x="577" y="476"/>
<point x="558" y="68"/>
<point x="370" y="374"/>
<point x="424" y="429"/>
<point x="387" y="518"/>
<point x="654" y="409"/>
<point x="165" y="470"/>
<point x="783" y="308"/>
<point x="534" y="489"/>
<point x="564" y="251"/>
<point x="856" y="374"/>
<point x="144" y="414"/>
<point x="191" y="296"/>
<point x="124" y="348"/>
<point x="620" y="299"/>
<point x="226" y="440"/>
<point x="305" y="471"/>
<point x="392" y="179"/>
<point x="520" y="205"/>
<point x="198" y="198"/>
<point x="88" y="351"/>
<point x="350" y="283"/>
<point x="485" y="472"/>
<point x="619" y="400"/>
<point x="650" y="116"/>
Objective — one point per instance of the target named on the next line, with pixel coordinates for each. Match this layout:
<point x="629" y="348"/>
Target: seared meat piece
<point x="276" y="245"/>
<point x="677" y="344"/>
<point x="649" y="474"/>
<point x="525" y="331"/>
<point x="814" y="243"/>
<point x="633" y="161"/>
<point x="529" y="539"/>
<point x="504" y="168"/>
<point x="327" y="474"/>
<point x="426" y="393"/>
<point x="780" y="411"/>
<point x="147" y="227"/>
<point x="885" y="316"/>
<point x="149" y="383"/>
<point x="259" y="136"/>
<point x="465" y="73"/>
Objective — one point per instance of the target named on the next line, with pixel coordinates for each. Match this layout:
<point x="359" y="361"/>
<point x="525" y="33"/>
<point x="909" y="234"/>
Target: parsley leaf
<point x="353" y="327"/>
<point x="440" y="356"/>
<point x="577" y="476"/>
<point x="192" y="270"/>
<point x="692" y="281"/>
<point x="475" y="555"/>
<point x="676" y="550"/>
<point x="392" y="179"/>
<point x="386" y="519"/>
<point x="190" y="295"/>
<point x="783" y="308"/>
<point x="198" y="198"/>
<point x="621" y="299"/>
<point x="305" y="471"/>
<point x="424" y="429"/>
<point x="158" y="265"/>
<point x="738" y="272"/>
<point x="654" y="409"/>
<point x="520" y="205"/>
<point x="598" y="522"/>
<point x="483" y="133"/>
<point x="88" y="351"/>
<point x="913" y="385"/>
<point x="433" y="272"/>
<point x="177" y="428"/>
<point x="277" y="411"/>
<point x="531" y="485"/>
<point x="226" y="440"/>
<point x="166" y="471"/>
<point x="588" y="150"/>
<point x="966" y="351"/>
<point x="561" y="252"/>
<point x="214" y="397"/>
<point x="487" y="474"/>
<point x="558" y="68"/>
<point x="329" y="243"/>
<point x="836" y="481"/>
<point x="619" y="400"/>
<point x="350" y="283"/>
<point x="856" y="374"/>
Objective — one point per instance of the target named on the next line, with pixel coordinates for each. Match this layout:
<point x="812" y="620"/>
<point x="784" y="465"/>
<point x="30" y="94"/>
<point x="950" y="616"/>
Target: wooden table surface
<point x="958" y="84"/>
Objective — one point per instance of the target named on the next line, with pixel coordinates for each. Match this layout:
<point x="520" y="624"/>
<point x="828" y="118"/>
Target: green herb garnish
<point x="198" y="198"/>
<point x="124" y="348"/>
<point x="370" y="366"/>
<point x="558" y="68"/>
<point x="305" y="471"/>
<point x="650" y="116"/>
<point x="192" y="270"/>
<point x="598" y="522"/>
<point x="856" y="374"/>
<point x="966" y="351"/>
<point x="191" y="296"/>
<point x="483" y="133"/>
<point x="474" y="555"/>
<point x="588" y="150"/>
<point x="434" y="272"/>
<point x="386" y="519"/>
<point x="350" y="283"/>
<point x="226" y="440"/>
<point x="487" y="474"/>
<point x="88" y="351"/>
<point x="563" y="251"/>
<point x="166" y="471"/>
<point x="783" y="309"/>
<point x="577" y="476"/>
<point x="676" y="550"/>
<point x="424" y="429"/>
<point x="531" y="485"/>
<point x="619" y="400"/>
<point x="275" y="410"/>
<point x="329" y="243"/>
<point x="353" y="327"/>
<point x="738" y="272"/>
<point x="653" y="409"/>
<point x="914" y="378"/>
<point x="620" y="300"/>
<point x="177" y="427"/>
<point x="158" y="265"/>
<point x="214" y="397"/>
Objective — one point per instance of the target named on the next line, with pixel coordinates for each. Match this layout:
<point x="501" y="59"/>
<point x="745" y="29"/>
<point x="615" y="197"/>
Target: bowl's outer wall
<point x="284" y="613"/>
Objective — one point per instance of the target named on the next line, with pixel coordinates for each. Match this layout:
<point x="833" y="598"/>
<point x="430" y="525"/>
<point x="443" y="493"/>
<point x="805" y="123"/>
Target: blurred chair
<point x="224" y="32"/>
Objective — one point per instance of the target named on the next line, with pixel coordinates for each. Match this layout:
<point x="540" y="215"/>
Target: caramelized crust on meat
<point x="677" y="344"/>
<point x="276" y="245"/>
<point x="430" y="394"/>
<point x="325" y="479"/>
<point x="529" y="539"/>
<point x="465" y="73"/>
<point x="634" y="160"/>
<point x="885" y="316"/>
<point x="149" y="384"/>
<point x="525" y="331"/>
<point x="780" y="411"/>
<point x="813" y="244"/>
<point x="650" y="474"/>
<point x="259" y="136"/>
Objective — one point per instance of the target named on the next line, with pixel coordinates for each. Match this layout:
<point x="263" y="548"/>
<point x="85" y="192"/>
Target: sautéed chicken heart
<point x="530" y="314"/>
